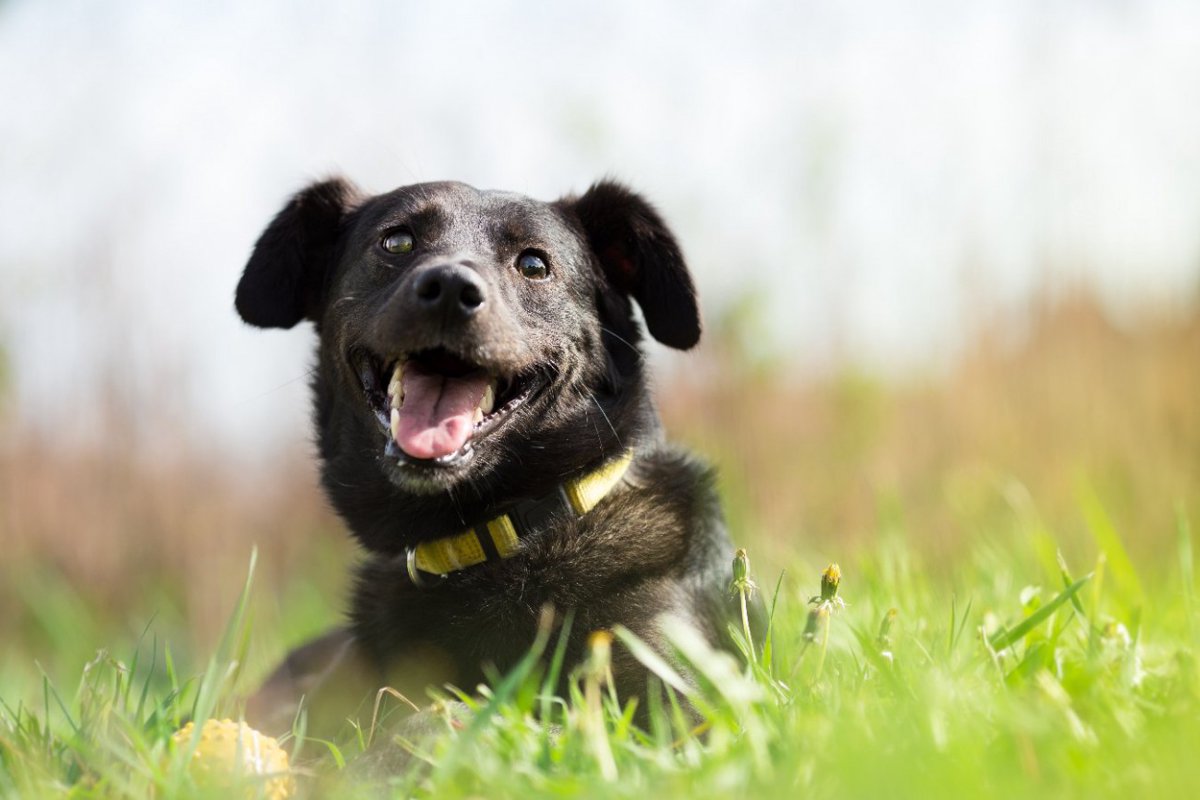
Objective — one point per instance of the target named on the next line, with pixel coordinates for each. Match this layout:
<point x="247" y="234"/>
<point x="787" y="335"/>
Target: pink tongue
<point x="438" y="412"/>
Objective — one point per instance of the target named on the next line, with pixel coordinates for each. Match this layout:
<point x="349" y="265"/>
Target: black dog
<point x="485" y="428"/>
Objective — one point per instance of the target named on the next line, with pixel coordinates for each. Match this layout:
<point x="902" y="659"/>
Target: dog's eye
<point x="398" y="242"/>
<point x="532" y="266"/>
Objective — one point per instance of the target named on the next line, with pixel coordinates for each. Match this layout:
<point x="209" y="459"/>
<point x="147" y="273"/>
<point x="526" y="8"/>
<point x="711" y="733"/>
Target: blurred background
<point x="949" y="255"/>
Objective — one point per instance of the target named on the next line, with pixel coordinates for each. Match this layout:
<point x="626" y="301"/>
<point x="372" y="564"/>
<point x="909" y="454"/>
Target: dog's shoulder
<point x="665" y="520"/>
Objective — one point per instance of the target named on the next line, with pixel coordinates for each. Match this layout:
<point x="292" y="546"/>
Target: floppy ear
<point x="641" y="258"/>
<point x="284" y="279"/>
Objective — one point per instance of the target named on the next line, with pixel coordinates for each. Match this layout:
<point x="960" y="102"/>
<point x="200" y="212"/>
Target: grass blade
<point x="1104" y="533"/>
<point x="1010" y="635"/>
<point x="1187" y="573"/>
<point x="652" y="660"/>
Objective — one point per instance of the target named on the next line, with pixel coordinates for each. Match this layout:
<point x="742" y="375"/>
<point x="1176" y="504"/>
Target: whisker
<point x="307" y="374"/>
<point x="591" y="419"/>
<point x="457" y="506"/>
<point x="603" y="414"/>
<point x="623" y="341"/>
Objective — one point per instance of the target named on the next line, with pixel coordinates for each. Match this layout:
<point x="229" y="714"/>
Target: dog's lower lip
<point x="512" y="394"/>
<point x="393" y="452"/>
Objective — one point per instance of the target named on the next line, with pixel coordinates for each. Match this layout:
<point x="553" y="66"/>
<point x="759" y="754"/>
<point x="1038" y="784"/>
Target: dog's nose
<point x="451" y="288"/>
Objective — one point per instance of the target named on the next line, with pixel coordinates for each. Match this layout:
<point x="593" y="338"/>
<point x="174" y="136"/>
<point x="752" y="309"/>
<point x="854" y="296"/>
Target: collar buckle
<point x="415" y="573"/>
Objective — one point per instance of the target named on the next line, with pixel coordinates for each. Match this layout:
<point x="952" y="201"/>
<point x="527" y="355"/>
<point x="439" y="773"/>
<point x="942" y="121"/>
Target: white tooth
<point x="395" y="422"/>
<point x="488" y="401"/>
<point x="396" y="387"/>
<point x="478" y="416"/>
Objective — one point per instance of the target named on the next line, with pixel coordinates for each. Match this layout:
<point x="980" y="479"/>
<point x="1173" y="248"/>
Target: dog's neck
<point x="500" y="537"/>
<point x="387" y="519"/>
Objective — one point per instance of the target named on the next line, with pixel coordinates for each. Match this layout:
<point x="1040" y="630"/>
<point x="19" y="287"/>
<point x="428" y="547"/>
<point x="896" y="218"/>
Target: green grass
<point x="1003" y="667"/>
<point x="1018" y="674"/>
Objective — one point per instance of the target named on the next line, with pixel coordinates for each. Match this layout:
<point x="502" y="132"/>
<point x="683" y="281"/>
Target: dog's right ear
<point x="284" y="280"/>
<point x="640" y="257"/>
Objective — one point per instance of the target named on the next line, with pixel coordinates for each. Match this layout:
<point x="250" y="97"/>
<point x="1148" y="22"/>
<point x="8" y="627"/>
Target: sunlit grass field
<point x="1015" y="611"/>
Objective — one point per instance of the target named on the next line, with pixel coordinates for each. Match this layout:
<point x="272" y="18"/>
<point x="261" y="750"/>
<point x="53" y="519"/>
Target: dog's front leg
<point x="330" y="676"/>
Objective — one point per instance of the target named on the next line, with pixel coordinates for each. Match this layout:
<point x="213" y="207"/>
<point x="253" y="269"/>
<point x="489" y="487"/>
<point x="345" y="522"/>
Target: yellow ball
<point x="227" y="749"/>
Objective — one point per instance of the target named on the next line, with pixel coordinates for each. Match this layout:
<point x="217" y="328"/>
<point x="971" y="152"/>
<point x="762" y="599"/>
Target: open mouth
<point x="435" y="405"/>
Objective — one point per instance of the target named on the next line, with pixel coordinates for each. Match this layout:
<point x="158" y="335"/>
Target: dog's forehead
<point x="503" y="214"/>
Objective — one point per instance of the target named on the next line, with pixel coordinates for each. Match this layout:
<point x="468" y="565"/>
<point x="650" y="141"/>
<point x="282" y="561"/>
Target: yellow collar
<point x="501" y="537"/>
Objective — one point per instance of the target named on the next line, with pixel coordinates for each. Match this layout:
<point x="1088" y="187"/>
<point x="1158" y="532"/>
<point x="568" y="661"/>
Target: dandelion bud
<point x="741" y="566"/>
<point x="742" y="583"/>
<point x="596" y="671"/>
<point x="1116" y="634"/>
<point x="599" y="653"/>
<point x="830" y="578"/>
<point x="884" y="639"/>
<point x="813" y="624"/>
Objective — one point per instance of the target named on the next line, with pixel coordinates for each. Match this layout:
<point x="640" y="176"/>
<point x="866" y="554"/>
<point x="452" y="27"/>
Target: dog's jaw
<point x="437" y="410"/>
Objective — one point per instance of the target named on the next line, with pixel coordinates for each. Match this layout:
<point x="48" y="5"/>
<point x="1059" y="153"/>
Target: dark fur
<point x="654" y="545"/>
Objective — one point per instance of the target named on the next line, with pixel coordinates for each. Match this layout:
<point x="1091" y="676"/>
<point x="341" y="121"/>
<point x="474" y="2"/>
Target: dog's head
<point x="470" y="338"/>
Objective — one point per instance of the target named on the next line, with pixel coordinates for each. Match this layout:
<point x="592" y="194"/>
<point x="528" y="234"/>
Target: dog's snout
<point x="450" y="288"/>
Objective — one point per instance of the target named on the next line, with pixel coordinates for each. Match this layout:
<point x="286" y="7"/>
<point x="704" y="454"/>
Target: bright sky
<point x="874" y="170"/>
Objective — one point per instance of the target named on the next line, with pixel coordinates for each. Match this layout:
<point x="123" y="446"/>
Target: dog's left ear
<point x="641" y="258"/>
<point x="284" y="280"/>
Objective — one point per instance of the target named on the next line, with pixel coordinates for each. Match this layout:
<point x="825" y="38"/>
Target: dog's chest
<point x="630" y="559"/>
